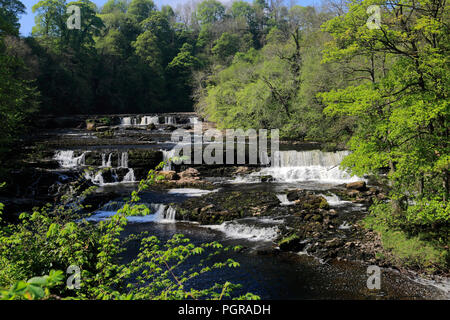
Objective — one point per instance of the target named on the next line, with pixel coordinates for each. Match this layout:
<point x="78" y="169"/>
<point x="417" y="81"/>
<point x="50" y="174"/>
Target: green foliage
<point x="35" y="288"/>
<point x="18" y="96"/>
<point x="9" y="20"/>
<point x="52" y="239"/>
<point x="403" y="248"/>
<point x="227" y="45"/>
<point x="210" y="11"/>
<point x="429" y="212"/>
<point x="274" y="87"/>
<point x="399" y="96"/>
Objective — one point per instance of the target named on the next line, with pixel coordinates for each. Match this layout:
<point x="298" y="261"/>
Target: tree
<point x="18" y="96"/>
<point x="210" y="11"/>
<point x="141" y="9"/>
<point x="226" y="46"/>
<point x="9" y="16"/>
<point x="400" y="96"/>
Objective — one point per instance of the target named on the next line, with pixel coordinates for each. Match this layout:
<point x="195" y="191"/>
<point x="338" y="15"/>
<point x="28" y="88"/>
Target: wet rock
<point x="333" y="243"/>
<point x="102" y="128"/>
<point x="90" y="126"/>
<point x="358" y="185"/>
<point x="353" y="193"/>
<point x="171" y="128"/>
<point x="189" y="173"/>
<point x="143" y="160"/>
<point x="151" y="127"/>
<point x="207" y="208"/>
<point x="307" y="200"/>
<point x="332" y="212"/>
<point x="291" y="243"/>
<point x="228" y="206"/>
<point x="169" y="175"/>
<point x="241" y="170"/>
<point x="267" y="178"/>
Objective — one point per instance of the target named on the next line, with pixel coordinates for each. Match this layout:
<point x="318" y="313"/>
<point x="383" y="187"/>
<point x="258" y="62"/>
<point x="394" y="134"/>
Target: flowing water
<point x="272" y="276"/>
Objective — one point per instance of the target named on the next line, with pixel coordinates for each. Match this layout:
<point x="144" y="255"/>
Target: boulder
<point x="358" y="185"/>
<point x="267" y="178"/>
<point x="169" y="175"/>
<point x="241" y="170"/>
<point x="90" y="126"/>
<point x="333" y="243"/>
<point x="102" y="128"/>
<point x="290" y="243"/>
<point x="189" y="173"/>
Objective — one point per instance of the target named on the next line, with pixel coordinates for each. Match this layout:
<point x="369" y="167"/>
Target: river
<point x="133" y="144"/>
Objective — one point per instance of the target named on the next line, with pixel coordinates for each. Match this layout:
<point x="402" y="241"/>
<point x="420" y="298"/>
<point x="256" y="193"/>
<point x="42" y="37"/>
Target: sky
<point x="27" y="20"/>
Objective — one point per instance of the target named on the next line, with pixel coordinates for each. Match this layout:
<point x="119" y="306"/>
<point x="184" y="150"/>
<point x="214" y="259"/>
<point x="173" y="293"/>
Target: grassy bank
<point x="419" y="248"/>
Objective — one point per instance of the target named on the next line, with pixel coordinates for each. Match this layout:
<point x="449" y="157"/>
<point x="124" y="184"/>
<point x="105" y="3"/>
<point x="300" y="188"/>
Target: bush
<point x="48" y="241"/>
<point x="415" y="250"/>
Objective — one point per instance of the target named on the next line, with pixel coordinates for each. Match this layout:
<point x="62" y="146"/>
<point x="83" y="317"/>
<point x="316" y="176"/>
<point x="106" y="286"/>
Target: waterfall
<point x="298" y="166"/>
<point x="123" y="160"/>
<point x="168" y="154"/>
<point x="128" y="121"/>
<point x="106" y="163"/>
<point x="334" y="200"/>
<point x="193" y="120"/>
<point x="264" y="158"/>
<point x="170" y="214"/>
<point x="169" y="120"/>
<point x="125" y="121"/>
<point x="314" y="165"/>
<point x="146" y="120"/>
<point x="159" y="213"/>
<point x="66" y="159"/>
<point x="129" y="177"/>
<point x="98" y="178"/>
<point x="284" y="200"/>
<point x="249" y="228"/>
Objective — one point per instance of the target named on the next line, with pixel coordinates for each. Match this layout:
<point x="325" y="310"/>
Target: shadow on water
<point x="282" y="275"/>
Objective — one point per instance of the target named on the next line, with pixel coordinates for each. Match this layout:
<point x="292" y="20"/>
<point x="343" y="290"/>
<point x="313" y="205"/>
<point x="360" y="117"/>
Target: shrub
<point x="51" y="239"/>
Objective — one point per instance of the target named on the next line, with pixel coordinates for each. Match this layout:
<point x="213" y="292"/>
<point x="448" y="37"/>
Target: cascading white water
<point x="66" y="159"/>
<point x="106" y="163"/>
<point x="314" y="165"/>
<point x="129" y="121"/>
<point x="334" y="200"/>
<point x="193" y="120"/>
<point x="123" y="160"/>
<point x="125" y="121"/>
<point x="129" y="177"/>
<point x="159" y="213"/>
<point x="146" y="120"/>
<point x="190" y="192"/>
<point x="248" y="228"/>
<point x="284" y="200"/>
<point x="170" y="214"/>
<point x="168" y="154"/>
<point x="169" y="120"/>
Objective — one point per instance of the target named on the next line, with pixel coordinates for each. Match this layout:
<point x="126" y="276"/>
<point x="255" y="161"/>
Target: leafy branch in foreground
<point x="53" y="238"/>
